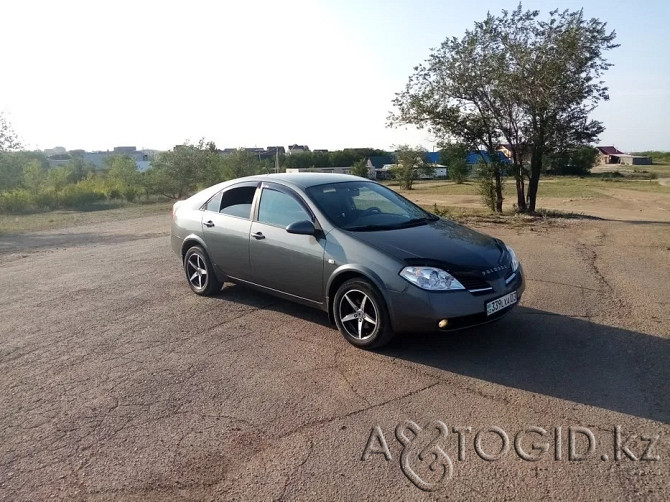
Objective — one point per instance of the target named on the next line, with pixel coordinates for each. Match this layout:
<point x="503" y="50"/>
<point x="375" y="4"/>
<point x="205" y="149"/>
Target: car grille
<point x="475" y="284"/>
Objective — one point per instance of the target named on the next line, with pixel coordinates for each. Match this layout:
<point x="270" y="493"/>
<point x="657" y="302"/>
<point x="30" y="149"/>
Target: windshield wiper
<point x="371" y="227"/>
<point x="405" y="224"/>
<point x="414" y="222"/>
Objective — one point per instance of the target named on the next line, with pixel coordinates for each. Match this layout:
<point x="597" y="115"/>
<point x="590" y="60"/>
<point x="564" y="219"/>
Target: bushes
<point x="75" y="196"/>
<point x="71" y="197"/>
<point x="16" y="201"/>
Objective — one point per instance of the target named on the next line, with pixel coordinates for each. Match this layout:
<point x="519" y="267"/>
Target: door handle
<point x="258" y="236"/>
<point x="209" y="224"/>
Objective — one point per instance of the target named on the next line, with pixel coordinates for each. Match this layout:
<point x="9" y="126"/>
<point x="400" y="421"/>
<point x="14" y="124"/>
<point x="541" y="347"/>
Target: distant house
<point x="376" y="167"/>
<point x="292" y="149"/>
<point x="381" y="167"/>
<point x="376" y="164"/>
<point x="439" y="171"/>
<point x="378" y="161"/>
<point x="610" y="155"/>
<point x="276" y="149"/>
<point x="99" y="159"/>
<point x="634" y="160"/>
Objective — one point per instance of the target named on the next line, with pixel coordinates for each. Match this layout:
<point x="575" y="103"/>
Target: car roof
<point x="300" y="180"/>
<point x="305" y="180"/>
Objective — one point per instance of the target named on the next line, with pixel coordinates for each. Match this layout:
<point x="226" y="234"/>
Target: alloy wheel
<point x="196" y="270"/>
<point x="358" y="314"/>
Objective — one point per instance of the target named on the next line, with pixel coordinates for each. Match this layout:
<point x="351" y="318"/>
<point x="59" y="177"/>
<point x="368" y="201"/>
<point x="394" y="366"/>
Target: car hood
<point x="438" y="243"/>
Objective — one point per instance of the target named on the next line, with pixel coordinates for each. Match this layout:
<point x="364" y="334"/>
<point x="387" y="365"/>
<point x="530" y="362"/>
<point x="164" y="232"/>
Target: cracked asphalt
<point x="118" y="383"/>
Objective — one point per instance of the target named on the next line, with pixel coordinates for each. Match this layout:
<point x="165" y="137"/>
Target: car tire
<point x="200" y="273"/>
<point x="367" y="327"/>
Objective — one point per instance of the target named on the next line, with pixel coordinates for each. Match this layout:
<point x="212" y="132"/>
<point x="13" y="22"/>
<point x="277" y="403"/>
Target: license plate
<point x="500" y="303"/>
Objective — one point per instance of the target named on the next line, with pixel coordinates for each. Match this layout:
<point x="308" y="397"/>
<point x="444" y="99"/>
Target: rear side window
<point x="237" y="202"/>
<point x="214" y="203"/>
<point x="280" y="209"/>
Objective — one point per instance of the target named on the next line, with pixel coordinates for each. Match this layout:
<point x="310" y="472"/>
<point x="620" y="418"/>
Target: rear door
<point x="226" y="222"/>
<point x="289" y="263"/>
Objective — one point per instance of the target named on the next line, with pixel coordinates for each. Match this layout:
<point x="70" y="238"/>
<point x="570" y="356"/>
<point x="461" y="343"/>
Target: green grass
<point x="662" y="169"/>
<point x="13" y="224"/>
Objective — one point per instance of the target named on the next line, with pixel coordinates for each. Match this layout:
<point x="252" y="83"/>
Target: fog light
<point x="443" y="323"/>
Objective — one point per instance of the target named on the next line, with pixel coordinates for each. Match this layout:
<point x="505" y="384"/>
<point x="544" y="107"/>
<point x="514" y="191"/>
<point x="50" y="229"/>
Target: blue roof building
<point x="433" y="157"/>
<point x="483" y="156"/>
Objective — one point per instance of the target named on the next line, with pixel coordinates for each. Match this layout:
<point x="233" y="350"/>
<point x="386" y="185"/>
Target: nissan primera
<point x="377" y="263"/>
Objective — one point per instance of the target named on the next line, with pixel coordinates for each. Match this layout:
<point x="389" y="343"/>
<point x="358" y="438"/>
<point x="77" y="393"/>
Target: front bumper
<point x="416" y="310"/>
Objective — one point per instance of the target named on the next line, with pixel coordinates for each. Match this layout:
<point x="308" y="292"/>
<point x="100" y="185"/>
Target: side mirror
<point x="304" y="227"/>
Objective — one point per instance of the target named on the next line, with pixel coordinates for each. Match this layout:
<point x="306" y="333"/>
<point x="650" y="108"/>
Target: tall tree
<point x="178" y="172"/>
<point x="9" y="141"/>
<point x="517" y="79"/>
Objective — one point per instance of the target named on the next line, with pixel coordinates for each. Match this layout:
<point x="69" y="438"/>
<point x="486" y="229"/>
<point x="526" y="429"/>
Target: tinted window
<point x="280" y="209"/>
<point x="361" y="206"/>
<point x="237" y="201"/>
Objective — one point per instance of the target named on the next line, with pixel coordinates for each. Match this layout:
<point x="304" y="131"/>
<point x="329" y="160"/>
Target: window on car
<point x="214" y="204"/>
<point x="367" y="198"/>
<point x="280" y="209"/>
<point x="237" y="201"/>
<point x="366" y="206"/>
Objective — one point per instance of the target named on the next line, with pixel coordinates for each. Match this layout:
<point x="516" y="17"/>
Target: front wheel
<point x="200" y="273"/>
<point x="361" y="316"/>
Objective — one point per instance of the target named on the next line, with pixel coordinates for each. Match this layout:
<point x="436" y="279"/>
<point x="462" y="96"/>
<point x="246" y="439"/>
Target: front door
<point x="285" y="262"/>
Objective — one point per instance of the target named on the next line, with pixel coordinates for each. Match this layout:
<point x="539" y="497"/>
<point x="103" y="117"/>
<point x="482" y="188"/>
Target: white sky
<point x="97" y="74"/>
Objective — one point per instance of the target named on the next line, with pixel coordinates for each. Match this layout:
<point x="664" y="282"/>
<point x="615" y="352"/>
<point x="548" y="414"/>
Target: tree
<point x="58" y="178"/>
<point x="178" y="172"/>
<point x="9" y="141"/>
<point x="411" y="161"/>
<point x="123" y="176"/>
<point x="455" y="156"/>
<point x="34" y="176"/>
<point x="79" y="168"/>
<point x="241" y="163"/>
<point x="576" y="161"/>
<point x="360" y="168"/>
<point x="516" y="79"/>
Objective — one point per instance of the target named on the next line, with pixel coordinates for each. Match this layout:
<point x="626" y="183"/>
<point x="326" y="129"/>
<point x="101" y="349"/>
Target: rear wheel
<point x="200" y="273"/>
<point x="361" y="316"/>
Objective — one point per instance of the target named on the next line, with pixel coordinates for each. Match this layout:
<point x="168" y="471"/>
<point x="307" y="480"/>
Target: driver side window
<point x="280" y="209"/>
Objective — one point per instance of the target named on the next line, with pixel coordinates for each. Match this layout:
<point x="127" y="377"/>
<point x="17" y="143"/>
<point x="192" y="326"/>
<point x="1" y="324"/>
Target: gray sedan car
<point x="376" y="262"/>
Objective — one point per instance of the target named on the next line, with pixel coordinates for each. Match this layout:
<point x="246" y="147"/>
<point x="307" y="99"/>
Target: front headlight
<point x="512" y="254"/>
<point x="431" y="278"/>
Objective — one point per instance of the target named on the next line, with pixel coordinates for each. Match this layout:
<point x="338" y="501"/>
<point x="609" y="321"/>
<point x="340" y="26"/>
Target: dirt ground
<point x="118" y="383"/>
<point x="618" y="204"/>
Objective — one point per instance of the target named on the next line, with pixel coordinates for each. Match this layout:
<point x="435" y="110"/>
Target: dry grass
<point x="12" y="224"/>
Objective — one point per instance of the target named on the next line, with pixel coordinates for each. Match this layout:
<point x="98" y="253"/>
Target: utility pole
<point x="276" y="159"/>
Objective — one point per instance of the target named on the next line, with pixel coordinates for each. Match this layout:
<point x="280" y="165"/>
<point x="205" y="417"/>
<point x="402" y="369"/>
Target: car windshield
<point x="366" y="206"/>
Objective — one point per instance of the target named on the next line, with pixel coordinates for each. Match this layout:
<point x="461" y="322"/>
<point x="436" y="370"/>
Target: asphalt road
<point x="118" y="383"/>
